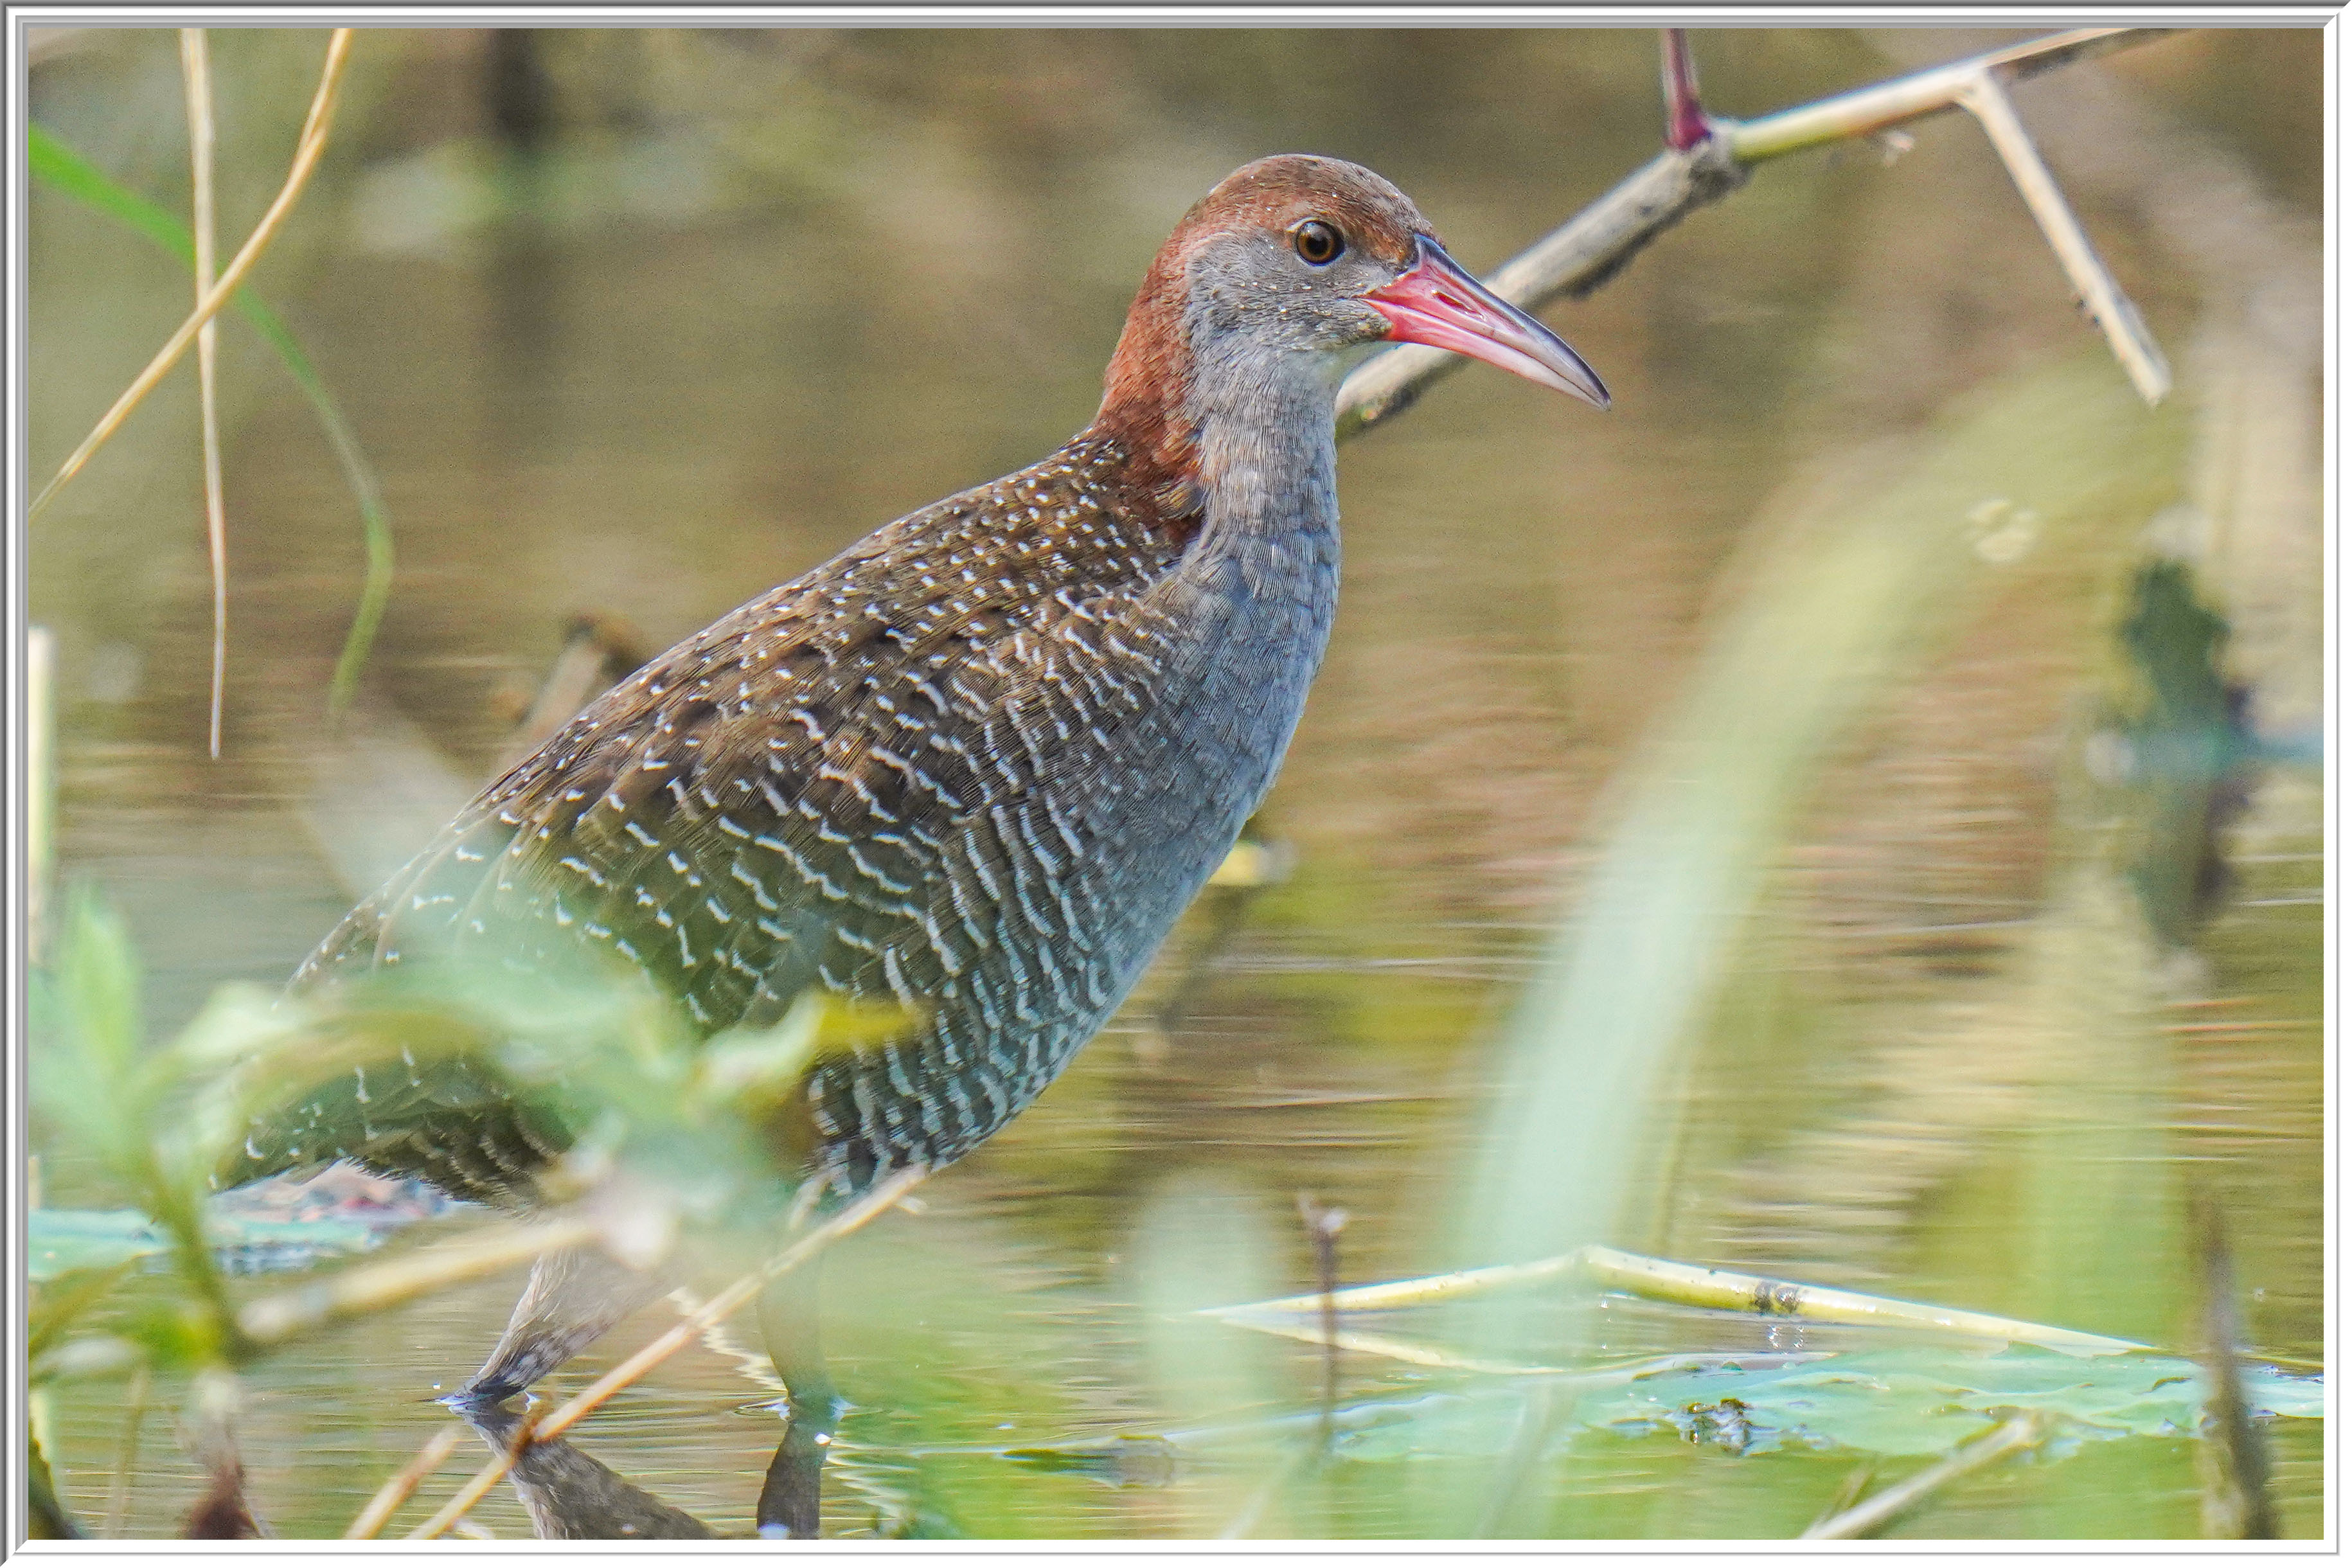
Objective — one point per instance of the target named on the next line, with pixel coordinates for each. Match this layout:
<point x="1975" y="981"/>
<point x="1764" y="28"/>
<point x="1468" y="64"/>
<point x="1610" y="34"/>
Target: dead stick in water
<point x="2233" y="1461"/>
<point x="1323" y="1226"/>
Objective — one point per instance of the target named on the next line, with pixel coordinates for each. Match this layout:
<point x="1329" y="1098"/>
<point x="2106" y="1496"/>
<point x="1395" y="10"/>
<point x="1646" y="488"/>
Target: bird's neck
<point x="1263" y="443"/>
<point x="1258" y="580"/>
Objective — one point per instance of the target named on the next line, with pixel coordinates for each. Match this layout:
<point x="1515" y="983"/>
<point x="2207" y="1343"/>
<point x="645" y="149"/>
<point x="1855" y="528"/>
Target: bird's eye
<point x="1318" y="243"/>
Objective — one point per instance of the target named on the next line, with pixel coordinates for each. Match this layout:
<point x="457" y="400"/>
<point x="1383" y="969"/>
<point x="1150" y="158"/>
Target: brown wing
<point x="771" y="803"/>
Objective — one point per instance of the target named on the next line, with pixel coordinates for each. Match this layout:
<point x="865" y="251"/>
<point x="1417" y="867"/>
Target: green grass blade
<point x="67" y="171"/>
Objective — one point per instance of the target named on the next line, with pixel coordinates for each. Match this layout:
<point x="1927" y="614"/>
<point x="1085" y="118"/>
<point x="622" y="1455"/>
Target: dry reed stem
<point x="356" y="1290"/>
<point x="308" y="151"/>
<point x="398" y="1490"/>
<point x="872" y="1205"/>
<point x="195" y="72"/>
<point x="2020" y="1432"/>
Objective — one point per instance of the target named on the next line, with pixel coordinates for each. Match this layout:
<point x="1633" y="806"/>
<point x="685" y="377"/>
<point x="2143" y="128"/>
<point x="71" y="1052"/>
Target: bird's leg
<point x="575" y="1294"/>
<point x="790" y="1497"/>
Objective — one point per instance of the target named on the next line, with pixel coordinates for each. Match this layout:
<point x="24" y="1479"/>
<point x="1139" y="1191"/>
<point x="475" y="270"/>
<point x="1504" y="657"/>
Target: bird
<point x="975" y="765"/>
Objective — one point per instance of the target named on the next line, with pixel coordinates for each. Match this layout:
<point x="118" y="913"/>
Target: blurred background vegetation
<point x="1892" y="683"/>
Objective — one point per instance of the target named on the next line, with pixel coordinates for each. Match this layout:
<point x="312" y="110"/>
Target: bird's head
<point x="1295" y="264"/>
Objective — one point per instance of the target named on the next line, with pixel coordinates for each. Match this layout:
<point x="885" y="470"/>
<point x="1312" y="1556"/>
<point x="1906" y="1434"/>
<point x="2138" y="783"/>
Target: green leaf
<point x="237" y="1020"/>
<point x="65" y="1295"/>
<point x="88" y="1032"/>
<point x="97" y="979"/>
<point x="176" y="1335"/>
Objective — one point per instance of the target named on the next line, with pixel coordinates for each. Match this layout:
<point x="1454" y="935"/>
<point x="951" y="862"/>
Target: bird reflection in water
<point x="572" y="1496"/>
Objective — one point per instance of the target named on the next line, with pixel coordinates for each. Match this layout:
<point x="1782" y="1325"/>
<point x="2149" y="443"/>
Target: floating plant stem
<point x="1676" y="1284"/>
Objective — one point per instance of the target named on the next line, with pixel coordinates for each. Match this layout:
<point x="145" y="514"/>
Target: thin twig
<point x="353" y="1291"/>
<point x="398" y="1490"/>
<point x="196" y="71"/>
<point x="1591" y="247"/>
<point x="2105" y="301"/>
<point x="2020" y="1432"/>
<point x="1686" y="121"/>
<point x="874" y="1203"/>
<point x="67" y="172"/>
<point x="1922" y="93"/>
<point x="308" y="151"/>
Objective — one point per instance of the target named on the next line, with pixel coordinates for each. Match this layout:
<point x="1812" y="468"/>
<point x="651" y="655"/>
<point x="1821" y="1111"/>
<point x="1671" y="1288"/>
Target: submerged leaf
<point x="1920" y="1400"/>
<point x="59" y="1243"/>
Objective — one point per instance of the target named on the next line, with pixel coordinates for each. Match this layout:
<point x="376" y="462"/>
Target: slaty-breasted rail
<point x="978" y="762"/>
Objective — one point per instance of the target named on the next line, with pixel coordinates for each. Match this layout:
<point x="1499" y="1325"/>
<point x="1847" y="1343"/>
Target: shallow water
<point x="754" y="294"/>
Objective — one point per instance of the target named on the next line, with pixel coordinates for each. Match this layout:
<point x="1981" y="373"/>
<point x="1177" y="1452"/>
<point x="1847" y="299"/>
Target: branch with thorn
<point x="1708" y="158"/>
